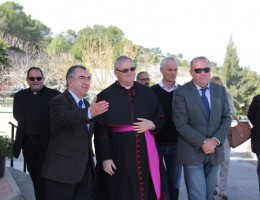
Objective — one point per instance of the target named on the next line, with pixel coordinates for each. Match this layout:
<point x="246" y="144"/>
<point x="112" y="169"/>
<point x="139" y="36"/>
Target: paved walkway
<point x="242" y="178"/>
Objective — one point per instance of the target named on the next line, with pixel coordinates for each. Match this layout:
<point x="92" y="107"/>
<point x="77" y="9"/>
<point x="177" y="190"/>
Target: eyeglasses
<point x="132" y="69"/>
<point x="199" y="70"/>
<point x="37" y="78"/>
<point x="144" y="79"/>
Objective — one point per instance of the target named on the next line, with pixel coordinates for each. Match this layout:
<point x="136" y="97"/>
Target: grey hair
<point x="166" y="59"/>
<point x="140" y="73"/>
<point x="199" y="58"/>
<point x="71" y="71"/>
<point x="121" y="59"/>
<point x="216" y="79"/>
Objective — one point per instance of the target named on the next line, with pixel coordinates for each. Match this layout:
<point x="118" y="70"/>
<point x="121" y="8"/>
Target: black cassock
<point x="132" y="180"/>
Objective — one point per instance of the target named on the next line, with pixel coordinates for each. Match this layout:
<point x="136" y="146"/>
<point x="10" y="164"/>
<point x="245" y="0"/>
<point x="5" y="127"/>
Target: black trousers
<point x="80" y="191"/>
<point x="34" y="159"/>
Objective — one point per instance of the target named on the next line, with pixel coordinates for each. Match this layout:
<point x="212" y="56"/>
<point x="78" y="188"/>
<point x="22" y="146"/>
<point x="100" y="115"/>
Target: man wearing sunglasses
<point x="31" y="110"/>
<point x="127" y="159"/>
<point x="202" y="118"/>
<point x="143" y="78"/>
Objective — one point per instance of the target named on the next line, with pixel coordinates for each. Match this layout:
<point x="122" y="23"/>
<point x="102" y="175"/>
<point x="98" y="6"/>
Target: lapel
<point x="74" y="104"/>
<point x="23" y="109"/>
<point x="197" y="97"/>
<point x="44" y="101"/>
<point x="71" y="100"/>
<point x="213" y="98"/>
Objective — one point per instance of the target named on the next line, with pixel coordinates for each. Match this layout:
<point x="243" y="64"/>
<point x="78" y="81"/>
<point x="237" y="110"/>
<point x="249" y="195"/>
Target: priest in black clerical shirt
<point x="31" y="110"/>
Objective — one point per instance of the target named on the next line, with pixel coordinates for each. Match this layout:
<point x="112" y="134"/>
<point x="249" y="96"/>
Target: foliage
<point x="18" y="29"/>
<point x="148" y="56"/>
<point x="3" y="54"/>
<point x="62" y="43"/>
<point x="6" y="146"/>
<point x="238" y="80"/>
<point x="98" y="47"/>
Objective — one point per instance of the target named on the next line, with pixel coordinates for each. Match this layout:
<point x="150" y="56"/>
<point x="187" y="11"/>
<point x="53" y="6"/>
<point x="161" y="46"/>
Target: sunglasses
<point x="132" y="69"/>
<point x="37" y="78"/>
<point x="199" y="70"/>
<point x="144" y="79"/>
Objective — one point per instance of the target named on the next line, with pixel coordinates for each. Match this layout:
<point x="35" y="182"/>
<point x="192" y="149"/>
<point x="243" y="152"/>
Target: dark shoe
<point x="215" y="192"/>
<point x="223" y="197"/>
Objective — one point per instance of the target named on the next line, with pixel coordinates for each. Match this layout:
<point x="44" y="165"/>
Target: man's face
<point x="201" y="79"/>
<point x="35" y="80"/>
<point x="144" y="79"/>
<point x="169" y="71"/>
<point x="80" y="83"/>
<point x="125" y="79"/>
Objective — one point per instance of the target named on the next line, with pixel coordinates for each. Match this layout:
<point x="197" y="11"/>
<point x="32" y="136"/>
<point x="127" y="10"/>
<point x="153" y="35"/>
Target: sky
<point x="190" y="27"/>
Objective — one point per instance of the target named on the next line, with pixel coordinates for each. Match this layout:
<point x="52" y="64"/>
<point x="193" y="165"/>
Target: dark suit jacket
<point x="19" y="112"/>
<point x="194" y="126"/>
<point x="254" y="117"/>
<point x="70" y="142"/>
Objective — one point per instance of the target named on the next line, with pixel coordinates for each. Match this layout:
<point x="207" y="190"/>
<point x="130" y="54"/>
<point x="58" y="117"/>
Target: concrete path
<point x="242" y="178"/>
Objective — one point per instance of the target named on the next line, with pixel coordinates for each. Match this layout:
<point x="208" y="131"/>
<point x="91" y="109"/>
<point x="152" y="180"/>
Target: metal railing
<point x="6" y="101"/>
<point x="13" y="126"/>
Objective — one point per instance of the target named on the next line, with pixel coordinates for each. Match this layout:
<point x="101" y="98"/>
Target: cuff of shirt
<point x="89" y="114"/>
<point x="217" y="140"/>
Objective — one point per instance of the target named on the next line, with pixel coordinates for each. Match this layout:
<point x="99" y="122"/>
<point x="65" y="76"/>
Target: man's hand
<point x="209" y="146"/>
<point x="108" y="166"/>
<point x="97" y="108"/>
<point x="142" y="126"/>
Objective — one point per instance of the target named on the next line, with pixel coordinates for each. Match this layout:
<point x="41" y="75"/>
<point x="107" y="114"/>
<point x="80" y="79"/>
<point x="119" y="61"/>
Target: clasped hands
<point x="209" y="146"/>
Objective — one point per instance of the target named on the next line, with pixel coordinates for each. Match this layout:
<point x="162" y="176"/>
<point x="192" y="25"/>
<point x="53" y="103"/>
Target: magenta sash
<point x="153" y="157"/>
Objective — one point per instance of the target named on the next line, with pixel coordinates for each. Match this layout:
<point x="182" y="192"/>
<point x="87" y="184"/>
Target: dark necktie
<point x="87" y="125"/>
<point x="80" y="107"/>
<point x="80" y="104"/>
<point x="205" y="100"/>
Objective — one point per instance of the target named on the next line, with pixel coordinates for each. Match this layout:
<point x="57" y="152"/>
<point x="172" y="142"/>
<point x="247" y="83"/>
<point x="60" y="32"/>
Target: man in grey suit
<point x="69" y="166"/>
<point x="201" y="116"/>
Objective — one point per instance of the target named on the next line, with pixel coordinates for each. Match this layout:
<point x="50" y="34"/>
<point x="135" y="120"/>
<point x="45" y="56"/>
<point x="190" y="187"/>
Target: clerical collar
<point x="37" y="92"/>
<point x="126" y="87"/>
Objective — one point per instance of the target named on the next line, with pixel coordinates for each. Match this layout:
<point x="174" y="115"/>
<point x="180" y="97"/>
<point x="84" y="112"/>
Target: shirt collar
<point x="125" y="86"/>
<point x="198" y="87"/>
<point x="175" y="86"/>
<point x="75" y="97"/>
<point x="38" y="92"/>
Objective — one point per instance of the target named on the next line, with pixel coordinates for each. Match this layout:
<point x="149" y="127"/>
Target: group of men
<point x="136" y="129"/>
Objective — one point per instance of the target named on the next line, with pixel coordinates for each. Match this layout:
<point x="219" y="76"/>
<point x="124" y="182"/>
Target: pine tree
<point x="238" y="80"/>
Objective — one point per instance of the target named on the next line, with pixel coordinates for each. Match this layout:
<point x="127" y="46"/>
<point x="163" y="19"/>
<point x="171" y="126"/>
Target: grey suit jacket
<point x="194" y="126"/>
<point x="70" y="143"/>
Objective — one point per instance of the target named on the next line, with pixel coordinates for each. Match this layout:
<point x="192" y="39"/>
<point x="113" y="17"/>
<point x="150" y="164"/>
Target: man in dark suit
<point x="69" y="166"/>
<point x="31" y="110"/>
<point x="254" y="117"/>
<point x="202" y="118"/>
